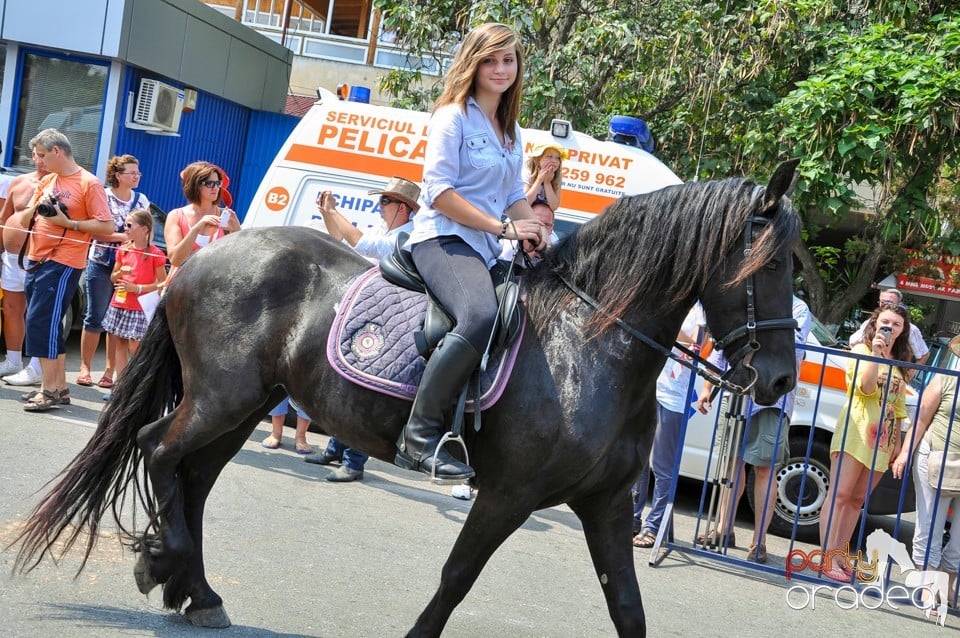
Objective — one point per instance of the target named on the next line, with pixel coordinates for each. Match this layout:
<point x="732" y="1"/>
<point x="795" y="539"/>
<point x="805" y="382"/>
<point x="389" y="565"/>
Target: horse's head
<point x="748" y="299"/>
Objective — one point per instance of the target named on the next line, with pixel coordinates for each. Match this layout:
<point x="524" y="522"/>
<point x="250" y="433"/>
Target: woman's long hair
<point x="901" y="350"/>
<point x="480" y="43"/>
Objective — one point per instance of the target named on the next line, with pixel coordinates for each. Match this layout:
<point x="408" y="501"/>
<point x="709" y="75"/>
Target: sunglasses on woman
<point x="210" y="183"/>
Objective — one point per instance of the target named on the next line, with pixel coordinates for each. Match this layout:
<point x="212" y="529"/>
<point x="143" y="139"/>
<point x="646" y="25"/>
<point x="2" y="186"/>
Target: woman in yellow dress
<point x="868" y="429"/>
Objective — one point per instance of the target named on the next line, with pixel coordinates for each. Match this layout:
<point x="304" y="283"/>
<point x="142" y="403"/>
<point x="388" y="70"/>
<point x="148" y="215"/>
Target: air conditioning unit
<point x="159" y="105"/>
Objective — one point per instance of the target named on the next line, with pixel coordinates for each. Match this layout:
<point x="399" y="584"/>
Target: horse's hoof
<point x="141" y="573"/>
<point x="214" y="617"/>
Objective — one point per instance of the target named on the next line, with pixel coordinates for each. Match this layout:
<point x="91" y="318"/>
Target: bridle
<point x="692" y="360"/>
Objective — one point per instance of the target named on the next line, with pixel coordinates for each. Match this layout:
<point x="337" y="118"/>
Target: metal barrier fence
<point x="917" y="563"/>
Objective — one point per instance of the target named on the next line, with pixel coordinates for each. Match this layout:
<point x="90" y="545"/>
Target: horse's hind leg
<point x="160" y="555"/>
<point x="199" y="471"/>
<point x="492" y="519"/>
<point x="607" y="519"/>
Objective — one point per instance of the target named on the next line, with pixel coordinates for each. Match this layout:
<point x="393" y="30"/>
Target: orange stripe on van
<point x="355" y="162"/>
<point x="585" y="202"/>
<point x="835" y="378"/>
<point x="374" y="165"/>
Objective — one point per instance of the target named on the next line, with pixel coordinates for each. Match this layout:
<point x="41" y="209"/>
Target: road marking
<point x="86" y="424"/>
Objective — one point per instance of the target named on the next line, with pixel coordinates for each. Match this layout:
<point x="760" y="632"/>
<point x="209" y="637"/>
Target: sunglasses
<point x="129" y="225"/>
<point x="384" y="200"/>
<point x="135" y="174"/>
<point x="209" y="183"/>
<point x="893" y="305"/>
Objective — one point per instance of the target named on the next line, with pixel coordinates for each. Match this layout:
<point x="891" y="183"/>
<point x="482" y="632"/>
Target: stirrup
<point x="449" y="436"/>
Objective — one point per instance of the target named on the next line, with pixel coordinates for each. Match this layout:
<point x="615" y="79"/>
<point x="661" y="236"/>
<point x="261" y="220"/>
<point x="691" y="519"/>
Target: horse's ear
<point x="782" y="183"/>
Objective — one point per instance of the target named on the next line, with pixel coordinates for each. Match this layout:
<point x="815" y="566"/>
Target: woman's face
<point x="893" y="320"/>
<point x="497" y="73"/>
<point x="128" y="175"/>
<point x="210" y="188"/>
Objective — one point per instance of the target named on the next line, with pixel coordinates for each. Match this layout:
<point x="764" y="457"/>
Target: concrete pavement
<point x="294" y="555"/>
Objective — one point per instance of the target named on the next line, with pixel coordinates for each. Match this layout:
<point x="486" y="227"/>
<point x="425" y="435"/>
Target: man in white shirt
<point x="398" y="202"/>
<point x="920" y="349"/>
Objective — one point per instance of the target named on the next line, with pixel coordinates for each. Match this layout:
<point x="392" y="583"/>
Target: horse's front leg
<point x="492" y="519"/>
<point x="607" y="518"/>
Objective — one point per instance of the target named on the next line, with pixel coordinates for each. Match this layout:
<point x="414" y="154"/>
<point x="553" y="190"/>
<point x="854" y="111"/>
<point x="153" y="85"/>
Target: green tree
<point x="865" y="92"/>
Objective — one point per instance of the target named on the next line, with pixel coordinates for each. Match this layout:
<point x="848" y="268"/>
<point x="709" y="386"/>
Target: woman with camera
<point x="867" y="435"/>
<point x="123" y="177"/>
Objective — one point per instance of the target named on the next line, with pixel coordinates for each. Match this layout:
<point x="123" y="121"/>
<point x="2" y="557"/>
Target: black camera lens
<point x="49" y="209"/>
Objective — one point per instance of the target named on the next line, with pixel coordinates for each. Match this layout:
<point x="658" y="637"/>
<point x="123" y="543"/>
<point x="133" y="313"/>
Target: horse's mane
<point x="661" y="247"/>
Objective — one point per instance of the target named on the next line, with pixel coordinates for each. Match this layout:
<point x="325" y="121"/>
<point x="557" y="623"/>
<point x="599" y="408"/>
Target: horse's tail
<point x="102" y="473"/>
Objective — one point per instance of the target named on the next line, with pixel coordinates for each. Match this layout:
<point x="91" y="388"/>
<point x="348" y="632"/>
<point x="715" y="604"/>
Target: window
<point x="65" y="94"/>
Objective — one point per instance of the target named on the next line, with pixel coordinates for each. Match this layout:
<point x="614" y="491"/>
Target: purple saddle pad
<point x="371" y="341"/>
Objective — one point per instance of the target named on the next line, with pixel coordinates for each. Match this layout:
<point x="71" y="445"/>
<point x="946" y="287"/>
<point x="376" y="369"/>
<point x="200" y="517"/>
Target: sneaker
<point x="462" y="492"/>
<point x="27" y="376"/>
<point x="9" y="367"/>
<point x="757" y="553"/>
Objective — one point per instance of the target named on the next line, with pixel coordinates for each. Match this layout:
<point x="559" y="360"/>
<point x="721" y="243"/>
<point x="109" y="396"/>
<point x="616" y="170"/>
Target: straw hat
<point x="542" y="147"/>
<point x="402" y="189"/>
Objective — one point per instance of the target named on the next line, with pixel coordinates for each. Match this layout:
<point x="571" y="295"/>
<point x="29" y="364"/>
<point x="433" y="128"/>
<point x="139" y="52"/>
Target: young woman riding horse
<point x="572" y="426"/>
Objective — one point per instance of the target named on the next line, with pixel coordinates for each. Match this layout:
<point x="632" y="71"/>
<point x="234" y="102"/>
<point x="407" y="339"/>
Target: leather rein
<point x="695" y="362"/>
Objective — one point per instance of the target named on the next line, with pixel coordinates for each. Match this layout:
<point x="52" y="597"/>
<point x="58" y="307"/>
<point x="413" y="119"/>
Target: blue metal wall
<point x="215" y="131"/>
<point x="266" y="134"/>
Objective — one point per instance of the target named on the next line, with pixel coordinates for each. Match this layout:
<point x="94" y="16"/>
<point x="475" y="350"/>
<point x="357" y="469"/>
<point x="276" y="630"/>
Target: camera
<point x="886" y="331"/>
<point x="49" y="208"/>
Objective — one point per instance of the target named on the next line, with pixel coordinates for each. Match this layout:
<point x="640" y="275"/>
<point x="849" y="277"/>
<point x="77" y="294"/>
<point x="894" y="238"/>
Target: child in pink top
<point x="140" y="268"/>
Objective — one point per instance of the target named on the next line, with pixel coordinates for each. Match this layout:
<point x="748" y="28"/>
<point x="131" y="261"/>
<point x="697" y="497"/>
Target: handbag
<point x="947" y="464"/>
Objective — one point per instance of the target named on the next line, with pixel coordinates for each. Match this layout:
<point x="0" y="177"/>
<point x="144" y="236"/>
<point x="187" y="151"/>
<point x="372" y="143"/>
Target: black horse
<point x="246" y="322"/>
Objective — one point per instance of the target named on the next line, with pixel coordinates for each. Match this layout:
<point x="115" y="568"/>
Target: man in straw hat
<point x="398" y="202"/>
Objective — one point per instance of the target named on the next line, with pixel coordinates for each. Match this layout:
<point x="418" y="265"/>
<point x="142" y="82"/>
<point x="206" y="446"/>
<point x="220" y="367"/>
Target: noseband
<point x="695" y="362"/>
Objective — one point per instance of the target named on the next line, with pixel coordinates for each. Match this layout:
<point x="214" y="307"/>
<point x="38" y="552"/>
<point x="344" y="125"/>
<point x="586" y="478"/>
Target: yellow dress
<point x="864" y="430"/>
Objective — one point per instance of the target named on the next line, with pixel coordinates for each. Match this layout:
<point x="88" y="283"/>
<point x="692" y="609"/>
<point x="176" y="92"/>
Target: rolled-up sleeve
<point x="441" y="167"/>
<point x="519" y="190"/>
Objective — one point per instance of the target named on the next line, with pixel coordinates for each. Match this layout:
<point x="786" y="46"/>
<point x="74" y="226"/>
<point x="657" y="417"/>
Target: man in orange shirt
<point x="68" y="207"/>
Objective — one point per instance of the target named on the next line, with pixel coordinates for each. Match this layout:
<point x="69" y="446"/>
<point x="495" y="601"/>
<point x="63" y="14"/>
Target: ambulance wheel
<point x="790" y="499"/>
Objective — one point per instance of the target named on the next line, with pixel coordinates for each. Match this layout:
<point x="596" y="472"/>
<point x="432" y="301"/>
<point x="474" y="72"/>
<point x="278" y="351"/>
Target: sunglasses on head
<point x="210" y="183"/>
<point x="893" y="305"/>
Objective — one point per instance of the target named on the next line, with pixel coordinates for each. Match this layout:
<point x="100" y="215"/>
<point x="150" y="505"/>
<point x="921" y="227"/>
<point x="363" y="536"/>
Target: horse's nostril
<point x="785" y="383"/>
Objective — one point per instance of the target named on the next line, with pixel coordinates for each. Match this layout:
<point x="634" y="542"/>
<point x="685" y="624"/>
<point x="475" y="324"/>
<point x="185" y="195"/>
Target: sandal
<point x="43" y="401"/>
<point x="645" y="540"/>
<point x="105" y="382"/>
<point x="84" y="379"/>
<point x="304" y="449"/>
<point x="64" y="396"/>
<point x="271" y="442"/>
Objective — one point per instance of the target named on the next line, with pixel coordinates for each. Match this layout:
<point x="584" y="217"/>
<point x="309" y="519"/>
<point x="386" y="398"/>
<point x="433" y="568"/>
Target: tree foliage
<point x="866" y="92"/>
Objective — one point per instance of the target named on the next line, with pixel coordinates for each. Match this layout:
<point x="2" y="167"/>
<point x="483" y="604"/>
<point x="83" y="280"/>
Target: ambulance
<point x="350" y="148"/>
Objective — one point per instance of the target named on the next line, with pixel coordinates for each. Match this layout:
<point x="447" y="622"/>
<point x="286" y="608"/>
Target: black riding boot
<point x="446" y="374"/>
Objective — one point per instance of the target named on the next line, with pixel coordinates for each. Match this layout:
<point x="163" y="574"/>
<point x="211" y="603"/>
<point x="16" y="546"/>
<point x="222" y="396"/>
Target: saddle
<point x="398" y="269"/>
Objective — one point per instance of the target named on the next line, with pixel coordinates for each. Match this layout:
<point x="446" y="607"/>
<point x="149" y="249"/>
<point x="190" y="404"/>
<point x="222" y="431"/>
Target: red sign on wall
<point x="942" y="280"/>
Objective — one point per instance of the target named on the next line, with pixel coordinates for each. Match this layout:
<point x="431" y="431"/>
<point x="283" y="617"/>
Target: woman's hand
<point x="529" y="230"/>
<point x="206" y="220"/>
<point x="123" y="284"/>
<point x="899" y="464"/>
<point x="879" y="345"/>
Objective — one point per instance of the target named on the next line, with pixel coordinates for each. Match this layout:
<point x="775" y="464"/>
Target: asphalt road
<point x="294" y="555"/>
